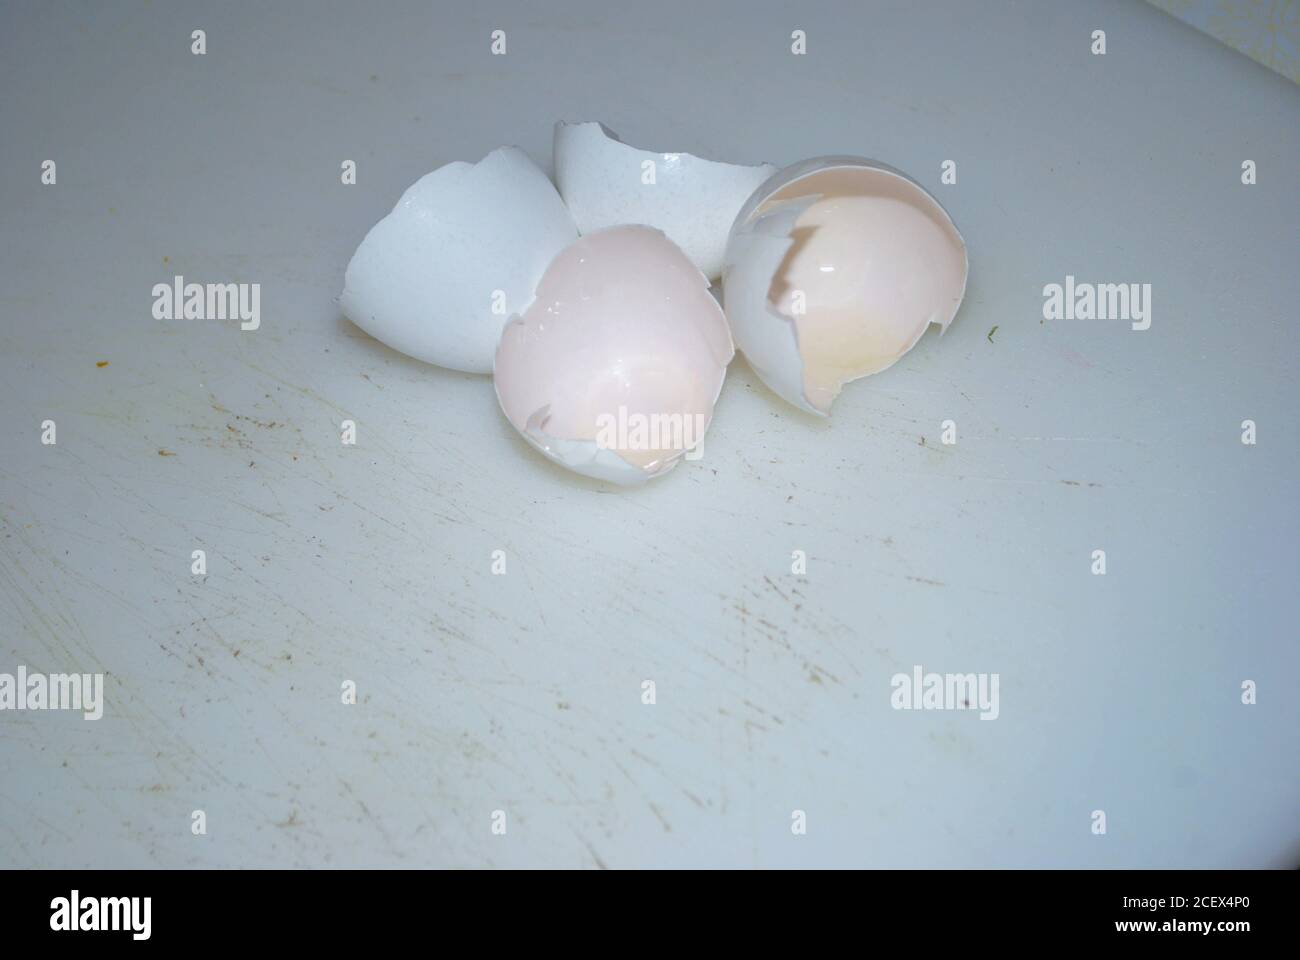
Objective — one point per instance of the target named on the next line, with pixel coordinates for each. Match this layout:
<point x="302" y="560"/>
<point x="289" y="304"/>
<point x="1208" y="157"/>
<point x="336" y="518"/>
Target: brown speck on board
<point x="167" y="259"/>
<point x="165" y="453"/>
<point x="101" y="364"/>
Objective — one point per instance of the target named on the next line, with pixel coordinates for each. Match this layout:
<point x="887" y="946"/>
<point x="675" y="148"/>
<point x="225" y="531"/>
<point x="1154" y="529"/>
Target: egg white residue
<point x="605" y="182"/>
<point x="462" y="251"/>
<point x="614" y="369"/>
<point x="834" y="269"/>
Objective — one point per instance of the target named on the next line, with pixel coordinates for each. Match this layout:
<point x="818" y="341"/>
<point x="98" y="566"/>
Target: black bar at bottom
<point x="366" y="908"/>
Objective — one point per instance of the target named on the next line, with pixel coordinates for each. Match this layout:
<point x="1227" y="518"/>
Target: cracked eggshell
<point x="461" y="252"/>
<point x="623" y="331"/>
<point x="834" y="269"/>
<point x="693" y="200"/>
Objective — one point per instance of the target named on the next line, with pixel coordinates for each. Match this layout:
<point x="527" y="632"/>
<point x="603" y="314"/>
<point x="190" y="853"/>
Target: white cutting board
<point x="523" y="693"/>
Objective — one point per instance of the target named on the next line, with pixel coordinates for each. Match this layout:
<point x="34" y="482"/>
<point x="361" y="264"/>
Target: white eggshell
<point x="463" y="250"/>
<point x="834" y="269"/>
<point x="771" y="344"/>
<point x="694" y="201"/>
<point x="623" y="331"/>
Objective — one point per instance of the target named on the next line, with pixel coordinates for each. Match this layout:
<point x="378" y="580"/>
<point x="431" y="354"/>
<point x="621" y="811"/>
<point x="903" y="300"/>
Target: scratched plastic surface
<point x="522" y="692"/>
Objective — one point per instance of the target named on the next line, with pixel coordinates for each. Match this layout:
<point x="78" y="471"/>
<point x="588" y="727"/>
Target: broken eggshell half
<point x="614" y="369"/>
<point x="462" y="251"/>
<point x="605" y="182"/>
<point x="834" y="269"/>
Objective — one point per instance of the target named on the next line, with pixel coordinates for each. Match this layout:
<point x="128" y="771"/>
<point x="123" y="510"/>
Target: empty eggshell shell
<point x="614" y="369"/>
<point x="694" y="201"/>
<point x="461" y="252"/>
<point x="834" y="269"/>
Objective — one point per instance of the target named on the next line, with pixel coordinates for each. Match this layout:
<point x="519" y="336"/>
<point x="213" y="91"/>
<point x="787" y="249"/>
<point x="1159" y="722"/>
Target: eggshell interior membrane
<point x="694" y="201"/>
<point x="623" y="330"/>
<point x="872" y="260"/>
<point x="461" y="252"/>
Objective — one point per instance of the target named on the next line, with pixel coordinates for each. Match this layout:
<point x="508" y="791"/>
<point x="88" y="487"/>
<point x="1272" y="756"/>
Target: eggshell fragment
<point x="605" y="182"/>
<point x="462" y="251"/>
<point x="834" y="269"/>
<point x="614" y="369"/>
